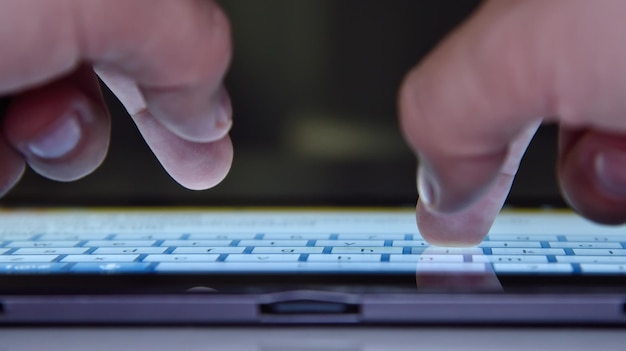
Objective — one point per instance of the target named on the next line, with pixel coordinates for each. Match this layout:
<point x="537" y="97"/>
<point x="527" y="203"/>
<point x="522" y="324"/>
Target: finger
<point x="462" y="108"/>
<point x="195" y="165"/>
<point x="465" y="104"/>
<point x="592" y="173"/>
<point x="61" y="129"/>
<point x="176" y="52"/>
<point x="173" y="89"/>
<point x="469" y="226"/>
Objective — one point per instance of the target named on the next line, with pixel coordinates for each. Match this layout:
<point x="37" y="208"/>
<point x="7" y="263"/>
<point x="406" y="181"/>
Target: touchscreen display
<point x="204" y="241"/>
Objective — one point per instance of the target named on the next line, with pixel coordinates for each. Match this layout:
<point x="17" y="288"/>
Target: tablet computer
<point x="278" y="266"/>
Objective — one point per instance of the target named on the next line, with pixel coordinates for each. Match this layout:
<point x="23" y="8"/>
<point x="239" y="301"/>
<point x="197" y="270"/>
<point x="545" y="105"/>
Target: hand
<point x="470" y="109"/>
<point x="165" y="60"/>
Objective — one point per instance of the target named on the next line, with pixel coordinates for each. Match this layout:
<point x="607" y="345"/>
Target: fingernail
<point x="59" y="140"/>
<point x="610" y="168"/>
<point x="425" y="187"/>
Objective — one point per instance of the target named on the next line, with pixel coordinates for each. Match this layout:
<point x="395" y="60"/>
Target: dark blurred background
<point x="313" y="84"/>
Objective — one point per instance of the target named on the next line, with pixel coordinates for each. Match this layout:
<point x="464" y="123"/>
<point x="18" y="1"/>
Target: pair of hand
<point x="468" y="110"/>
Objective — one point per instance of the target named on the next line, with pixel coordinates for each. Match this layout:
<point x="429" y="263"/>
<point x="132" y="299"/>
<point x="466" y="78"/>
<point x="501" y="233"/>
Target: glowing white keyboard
<point x="276" y="252"/>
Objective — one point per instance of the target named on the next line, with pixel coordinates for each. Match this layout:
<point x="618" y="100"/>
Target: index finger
<point x="512" y="62"/>
<point x="469" y="111"/>
<point x="462" y="108"/>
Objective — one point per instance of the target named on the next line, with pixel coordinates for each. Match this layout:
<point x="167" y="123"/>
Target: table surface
<point x="310" y="339"/>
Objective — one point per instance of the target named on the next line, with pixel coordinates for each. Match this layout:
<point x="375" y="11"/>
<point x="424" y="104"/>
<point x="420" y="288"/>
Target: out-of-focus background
<point x="313" y="84"/>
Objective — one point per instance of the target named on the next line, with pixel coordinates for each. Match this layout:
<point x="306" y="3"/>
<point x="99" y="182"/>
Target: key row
<point x="310" y="250"/>
<point x="257" y="257"/>
<point x="304" y="243"/>
<point x="293" y="236"/>
<point x="208" y="267"/>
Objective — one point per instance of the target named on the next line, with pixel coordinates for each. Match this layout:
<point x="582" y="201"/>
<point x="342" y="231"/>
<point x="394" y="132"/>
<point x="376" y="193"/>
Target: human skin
<point x="468" y="110"/>
<point x="165" y="60"/>
<point x="471" y="107"/>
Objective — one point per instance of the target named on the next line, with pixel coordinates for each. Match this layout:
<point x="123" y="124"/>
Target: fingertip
<point x="205" y="173"/>
<point x="194" y="165"/>
<point x="469" y="226"/>
<point x="464" y="229"/>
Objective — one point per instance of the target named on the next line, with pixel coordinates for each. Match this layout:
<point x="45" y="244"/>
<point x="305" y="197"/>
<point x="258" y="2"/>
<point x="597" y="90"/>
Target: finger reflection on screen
<point x="455" y="269"/>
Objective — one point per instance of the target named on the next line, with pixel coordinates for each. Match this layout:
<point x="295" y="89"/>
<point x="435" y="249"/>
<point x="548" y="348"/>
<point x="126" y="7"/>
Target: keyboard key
<point x="276" y="243"/>
<point x="129" y="250"/>
<point x="600" y="252"/>
<point x="510" y="258"/>
<point x="356" y="267"/>
<point x="181" y="258"/>
<point x="3" y="251"/>
<point x="109" y="267"/>
<point x="447" y="250"/>
<point x="32" y="267"/>
<point x="50" y="251"/>
<point x="217" y="236"/>
<point x="347" y="243"/>
<point x="73" y="236"/>
<point x="288" y="250"/>
<point x="144" y="236"/>
<point x="586" y="245"/>
<point x="343" y="258"/>
<point x="382" y="236"/>
<point x="120" y="243"/>
<point x="591" y="259"/>
<point x="59" y="243"/>
<point x="603" y="268"/>
<point x="520" y="251"/>
<point x="211" y="250"/>
<point x="189" y="267"/>
<point x="410" y="243"/>
<point x="27" y="258"/>
<point x="99" y="258"/>
<point x="522" y="237"/>
<point x="596" y="238"/>
<point x="426" y="258"/>
<point x="533" y="268"/>
<point x="366" y="250"/>
<point x="263" y="258"/>
<point x="516" y="244"/>
<point x="227" y="267"/>
<point x="287" y="236"/>
<point x="200" y="243"/>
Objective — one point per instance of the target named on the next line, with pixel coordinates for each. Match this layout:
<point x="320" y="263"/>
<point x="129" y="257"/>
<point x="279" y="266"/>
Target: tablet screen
<point x="297" y="244"/>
